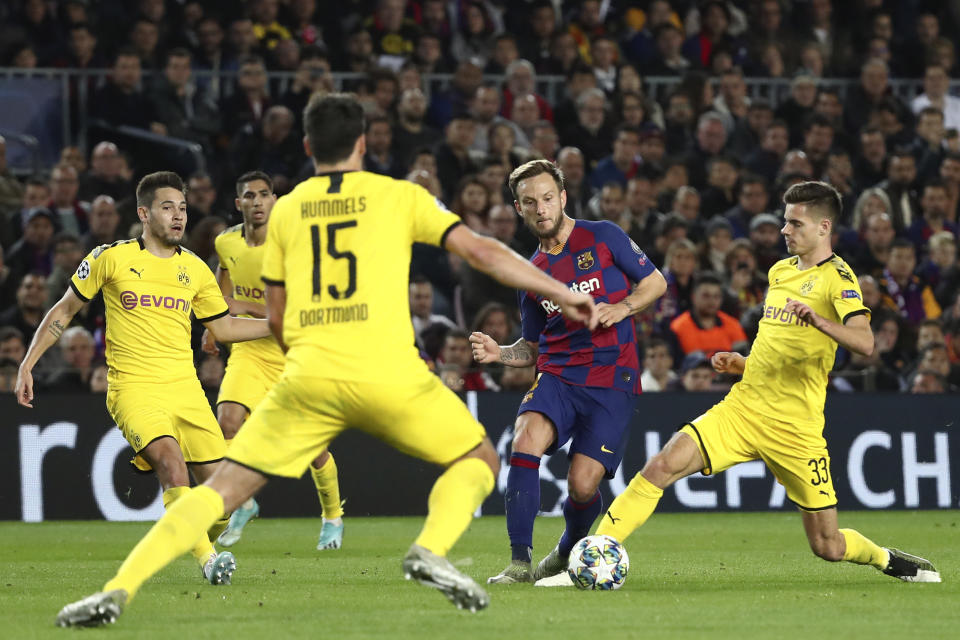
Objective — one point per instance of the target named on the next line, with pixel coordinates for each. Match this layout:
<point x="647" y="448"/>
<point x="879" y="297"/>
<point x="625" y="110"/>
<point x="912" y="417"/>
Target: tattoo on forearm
<point x="520" y="352"/>
<point x="57" y="329"/>
<point x="629" y="306"/>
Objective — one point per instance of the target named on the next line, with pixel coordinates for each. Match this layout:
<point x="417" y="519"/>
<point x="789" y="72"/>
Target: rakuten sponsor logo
<point x="585" y="286"/>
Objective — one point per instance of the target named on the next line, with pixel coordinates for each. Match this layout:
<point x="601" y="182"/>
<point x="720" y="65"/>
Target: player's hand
<point x="804" y="312"/>
<point x="208" y="344"/>
<point x="728" y="362"/>
<point x="610" y="314"/>
<point x="485" y="348"/>
<point x="579" y="306"/>
<point x="24" y="388"/>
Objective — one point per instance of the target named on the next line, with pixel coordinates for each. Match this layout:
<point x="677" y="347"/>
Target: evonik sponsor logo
<point x="130" y="300"/>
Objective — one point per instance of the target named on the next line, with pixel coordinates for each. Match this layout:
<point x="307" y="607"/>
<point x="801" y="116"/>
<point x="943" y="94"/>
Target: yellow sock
<point x="202" y="549"/>
<point x="862" y="550"/>
<point x="218" y="527"/>
<point x="173" y="535"/>
<point x="630" y="509"/>
<point x="453" y="499"/>
<point x="328" y="488"/>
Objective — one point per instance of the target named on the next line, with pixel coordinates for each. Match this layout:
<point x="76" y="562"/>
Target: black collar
<point x="143" y="246"/>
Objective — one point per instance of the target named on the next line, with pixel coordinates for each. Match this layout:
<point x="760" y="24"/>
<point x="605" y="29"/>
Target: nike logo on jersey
<point x="612" y="519"/>
<point x="139" y="273"/>
<point x="603" y="448"/>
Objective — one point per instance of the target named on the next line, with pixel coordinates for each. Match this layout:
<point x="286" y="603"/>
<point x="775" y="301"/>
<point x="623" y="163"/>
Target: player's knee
<point x="230" y="425"/>
<point x="581" y="489"/>
<point x="661" y="469"/>
<point x="827" y="548"/>
<point x="532" y="438"/>
<point x="485" y="451"/>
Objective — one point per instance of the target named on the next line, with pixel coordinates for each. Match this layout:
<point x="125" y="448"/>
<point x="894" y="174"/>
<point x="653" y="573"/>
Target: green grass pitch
<point x="692" y="576"/>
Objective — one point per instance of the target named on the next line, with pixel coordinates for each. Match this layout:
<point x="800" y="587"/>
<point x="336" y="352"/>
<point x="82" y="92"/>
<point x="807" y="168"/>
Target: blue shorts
<point x="594" y="418"/>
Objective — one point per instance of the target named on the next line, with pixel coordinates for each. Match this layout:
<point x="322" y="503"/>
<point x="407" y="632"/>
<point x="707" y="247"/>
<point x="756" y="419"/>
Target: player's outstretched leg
<point x="522" y="502"/>
<point x="102" y="608"/>
<point x="325" y="478"/>
<point x="454" y="498"/>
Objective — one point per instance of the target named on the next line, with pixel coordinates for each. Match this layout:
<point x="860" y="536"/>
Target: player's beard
<point x="164" y="235"/>
<point x="546" y="234"/>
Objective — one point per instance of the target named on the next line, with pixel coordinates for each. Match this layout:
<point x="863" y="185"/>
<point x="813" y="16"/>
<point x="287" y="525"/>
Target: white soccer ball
<point x="598" y="562"/>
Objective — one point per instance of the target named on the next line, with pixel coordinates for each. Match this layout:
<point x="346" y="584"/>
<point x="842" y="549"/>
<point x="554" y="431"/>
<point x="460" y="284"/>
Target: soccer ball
<point x="598" y="562"/>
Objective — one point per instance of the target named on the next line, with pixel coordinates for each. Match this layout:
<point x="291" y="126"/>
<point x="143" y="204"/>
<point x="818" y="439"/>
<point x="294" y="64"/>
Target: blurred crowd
<point x="695" y="178"/>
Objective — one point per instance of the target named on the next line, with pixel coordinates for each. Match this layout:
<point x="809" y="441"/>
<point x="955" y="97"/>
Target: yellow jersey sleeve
<point x="272" y="271"/>
<point x="844" y="292"/>
<point x="94" y="272"/>
<point x="219" y="244"/>
<point x="208" y="304"/>
<point x="432" y="221"/>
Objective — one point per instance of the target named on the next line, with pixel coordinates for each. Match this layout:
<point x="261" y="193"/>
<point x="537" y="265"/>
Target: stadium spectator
<point x="104" y="224"/>
<point x="623" y="163"/>
<point x="8" y="286"/>
<point x="748" y="130"/>
<point x="273" y="147"/>
<point x="720" y="196"/>
<point x="668" y="59"/>
<point x="457" y="354"/>
<point x="392" y="32"/>
<point x="545" y="142"/>
<point x="718" y="233"/>
<point x="410" y="132"/>
<point x="941" y="268"/>
<point x="657" y="366"/>
<point x="872" y="90"/>
<point x="641" y="205"/>
<point x="878" y="237"/>
<point x="541" y="31"/>
<point x="357" y="55"/>
<point x="266" y="27"/>
<point x="766" y="240"/>
<point x="34" y="251"/>
<point x="485" y="109"/>
<point x="493" y="175"/>
<point x="122" y="100"/>
<point x="78" y="349"/>
<point x="98" y="379"/>
<point x="696" y="374"/>
<point x="797" y="108"/>
<point x="713" y="35"/>
<point x="421" y="306"/>
<point x="680" y="265"/>
<point x="67" y="254"/>
<point x="30" y="307"/>
<point x="904" y="292"/>
<point x="202" y="237"/>
<point x="711" y="138"/>
<point x="476" y="288"/>
<point x="474" y="39"/>
<point x="211" y="55"/>
<point x="312" y="75"/>
<point x="766" y="160"/>
<point x="185" y="111"/>
<point x="933" y="210"/>
<point x="704" y="327"/>
<point x="379" y="157"/>
<point x="927" y="145"/>
<point x="11" y="190"/>
<point x="752" y="199"/>
<point x="251" y="99"/>
<point x="935" y="86"/>
<point x="505" y="52"/>
<point x="593" y="133"/>
<point x="747" y="285"/>
<point x="70" y="213"/>
<point x="926" y="381"/>
<point x="871" y="292"/>
<point x="471" y="201"/>
<point x="145" y="40"/>
<point x="573" y="165"/>
<point x="106" y="175"/>
<point x="901" y="174"/>
<point x="525" y="114"/>
<point x="12" y="344"/>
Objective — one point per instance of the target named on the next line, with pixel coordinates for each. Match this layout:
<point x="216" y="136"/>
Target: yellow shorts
<point x="729" y="433"/>
<point x="247" y="380"/>
<point x="301" y="415"/>
<point x="180" y="410"/>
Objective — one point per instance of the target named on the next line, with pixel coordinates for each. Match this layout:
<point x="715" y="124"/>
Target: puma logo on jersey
<point x="612" y="519"/>
<point x="139" y="273"/>
<point x="587" y="286"/>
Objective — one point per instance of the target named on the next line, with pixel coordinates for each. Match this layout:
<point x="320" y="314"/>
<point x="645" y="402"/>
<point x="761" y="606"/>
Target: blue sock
<point x="522" y="502"/>
<point x="579" y="517"/>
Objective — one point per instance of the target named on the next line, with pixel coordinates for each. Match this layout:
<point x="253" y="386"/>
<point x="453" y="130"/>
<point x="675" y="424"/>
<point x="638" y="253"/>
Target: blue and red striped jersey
<point x="600" y="259"/>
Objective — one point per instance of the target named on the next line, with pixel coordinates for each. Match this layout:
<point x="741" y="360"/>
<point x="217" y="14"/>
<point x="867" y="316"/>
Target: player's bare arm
<point x="276" y="296"/>
<point x="728" y="362"/>
<point x="855" y="335"/>
<point x="521" y="353"/>
<point x="506" y="267"/>
<point x="51" y="328"/>
<point x="238" y="307"/>
<point x="643" y="295"/>
<point x="231" y="329"/>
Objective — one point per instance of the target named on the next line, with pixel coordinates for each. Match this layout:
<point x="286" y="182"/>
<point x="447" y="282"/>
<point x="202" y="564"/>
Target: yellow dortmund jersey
<point x="786" y="373"/>
<point x="341" y="243"/>
<point x="244" y="263"/>
<point x="148" y="302"/>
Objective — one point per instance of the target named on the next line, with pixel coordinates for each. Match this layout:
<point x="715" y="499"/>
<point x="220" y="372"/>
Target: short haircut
<point x="707" y="277"/>
<point x="376" y="119"/>
<point x="457" y="334"/>
<point x="817" y="120"/>
<point x="532" y="169"/>
<point x="816" y="195"/>
<point x="903" y="243"/>
<point x="9" y="333"/>
<point x="65" y="237"/>
<point x="930" y="111"/>
<point x="332" y="123"/>
<point x="931" y="322"/>
<point x="753" y="178"/>
<point x="148" y="185"/>
<point x="252" y="59"/>
<point x="126" y="51"/>
<point x="250" y="176"/>
<point x="178" y="52"/>
<point x="934" y="183"/>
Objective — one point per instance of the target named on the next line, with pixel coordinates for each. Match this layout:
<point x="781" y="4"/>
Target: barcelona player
<point x="336" y="268"/>
<point x="588" y="379"/>
<point x="775" y="413"/>
<point x="150" y="286"/>
<point x="256" y="366"/>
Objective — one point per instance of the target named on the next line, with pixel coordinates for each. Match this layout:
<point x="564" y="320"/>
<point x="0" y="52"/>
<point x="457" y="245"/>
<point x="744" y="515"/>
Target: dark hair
<point x="250" y="176"/>
<point x="486" y="311"/>
<point x="753" y="178"/>
<point x="931" y="322"/>
<point x="626" y="128"/>
<point x="376" y="119"/>
<point x="419" y="278"/>
<point x="9" y="333"/>
<point x="707" y="277"/>
<point x="178" y="52"/>
<point x="817" y="120"/>
<point x="902" y="152"/>
<point x="148" y="185"/>
<point x="126" y="51"/>
<point x="456" y="333"/>
<point x="252" y="59"/>
<point x="532" y="169"/>
<point x="332" y="123"/>
<point x="902" y="243"/>
<point x="934" y="183"/>
<point x="65" y="237"/>
<point x="816" y="194"/>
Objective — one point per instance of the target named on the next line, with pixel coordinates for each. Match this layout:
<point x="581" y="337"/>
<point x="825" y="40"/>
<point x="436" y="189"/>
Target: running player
<point x="150" y="285"/>
<point x="336" y="266"/>
<point x="588" y="379"/>
<point x="775" y="413"/>
<point x="256" y="366"/>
